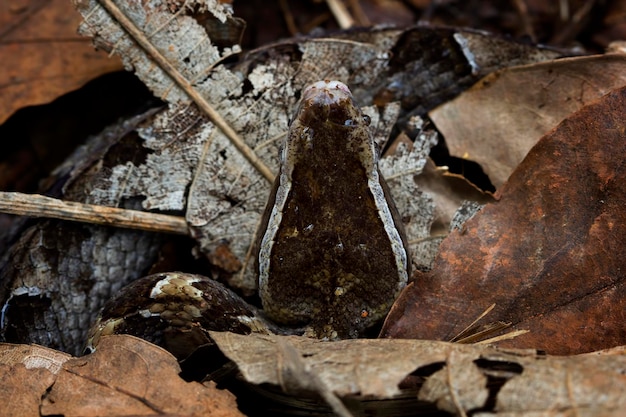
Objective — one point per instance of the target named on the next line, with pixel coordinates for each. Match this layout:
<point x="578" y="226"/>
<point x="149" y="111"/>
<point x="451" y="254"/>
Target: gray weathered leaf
<point x="460" y="379"/>
<point x="193" y="166"/>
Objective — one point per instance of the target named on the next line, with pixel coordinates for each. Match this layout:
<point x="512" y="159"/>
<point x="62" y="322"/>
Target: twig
<point x="358" y="13"/>
<point x="454" y="395"/>
<point x="291" y="23"/>
<point x="522" y="11"/>
<point x="341" y="14"/>
<point x="214" y="116"/>
<point x="36" y="205"/>
<point x="464" y="332"/>
<point x="478" y="334"/>
<point x="577" y="21"/>
<point x="506" y="336"/>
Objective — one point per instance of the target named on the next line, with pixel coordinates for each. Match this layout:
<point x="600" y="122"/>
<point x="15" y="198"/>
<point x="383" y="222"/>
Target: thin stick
<point x="36" y="205"/>
<point x="289" y="20"/>
<point x="341" y="14"/>
<point x="358" y="13"/>
<point x="486" y="330"/>
<point x="506" y="336"/>
<point x="214" y="116"/>
<point x="462" y="333"/>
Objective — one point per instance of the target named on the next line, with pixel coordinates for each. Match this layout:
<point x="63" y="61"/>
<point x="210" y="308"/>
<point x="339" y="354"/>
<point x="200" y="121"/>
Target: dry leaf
<point x="449" y="192"/>
<point x="458" y="378"/>
<point x="496" y="122"/>
<point x="177" y="161"/>
<point x="26" y="372"/>
<point x="549" y="254"/>
<point x="128" y="376"/>
<point x="42" y="56"/>
<point x="369" y="367"/>
<point x="225" y="194"/>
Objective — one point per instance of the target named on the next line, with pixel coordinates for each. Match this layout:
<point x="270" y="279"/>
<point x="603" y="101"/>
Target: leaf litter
<point x="258" y="102"/>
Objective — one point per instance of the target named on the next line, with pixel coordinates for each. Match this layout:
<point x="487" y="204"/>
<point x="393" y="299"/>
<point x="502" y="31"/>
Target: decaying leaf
<point x="368" y="367"/>
<point x="42" y="57"/>
<point x="457" y="378"/>
<point x="26" y="372"/>
<point x="498" y="120"/>
<point x="177" y="161"/>
<point x="449" y="191"/>
<point x="128" y="376"/>
<point x="217" y="187"/>
<point x="549" y="253"/>
<point x="57" y="275"/>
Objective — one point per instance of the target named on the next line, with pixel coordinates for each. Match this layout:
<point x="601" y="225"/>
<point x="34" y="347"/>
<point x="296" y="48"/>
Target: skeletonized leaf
<point x="195" y="168"/>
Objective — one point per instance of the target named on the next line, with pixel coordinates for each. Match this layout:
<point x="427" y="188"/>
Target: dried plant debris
<point x="129" y="376"/>
<point x="499" y="119"/>
<point x="57" y="276"/>
<point x="218" y="188"/>
<point x="459" y="379"/>
<point x="549" y="253"/>
<point x="26" y="374"/>
<point x="40" y="44"/>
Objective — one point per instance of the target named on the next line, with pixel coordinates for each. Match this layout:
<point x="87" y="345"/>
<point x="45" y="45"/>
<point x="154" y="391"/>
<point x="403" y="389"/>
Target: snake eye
<point x="367" y="120"/>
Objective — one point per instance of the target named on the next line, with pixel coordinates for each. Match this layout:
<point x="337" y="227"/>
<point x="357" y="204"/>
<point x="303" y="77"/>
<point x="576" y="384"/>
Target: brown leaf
<point x="550" y="254"/>
<point x="127" y="376"/>
<point x="42" y="55"/>
<point x="448" y="190"/>
<point x="457" y="378"/>
<point x="26" y="372"/>
<point x="589" y="385"/>
<point x="496" y="122"/>
<point x="369" y="367"/>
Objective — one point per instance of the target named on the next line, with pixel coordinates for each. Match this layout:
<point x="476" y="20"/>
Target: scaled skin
<point x="332" y="253"/>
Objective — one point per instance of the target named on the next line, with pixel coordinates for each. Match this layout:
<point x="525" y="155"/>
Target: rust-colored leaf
<point x="129" y="376"/>
<point x="42" y="55"/>
<point x="551" y="254"/>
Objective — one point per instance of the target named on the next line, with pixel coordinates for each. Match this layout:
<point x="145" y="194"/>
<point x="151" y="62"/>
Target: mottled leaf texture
<point x="551" y="253"/>
<point x="129" y="376"/>
<point x="56" y="276"/>
<point x="460" y="379"/>
<point x="221" y="193"/>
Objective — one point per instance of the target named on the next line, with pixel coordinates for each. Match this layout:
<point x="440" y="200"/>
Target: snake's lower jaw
<point x="176" y="311"/>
